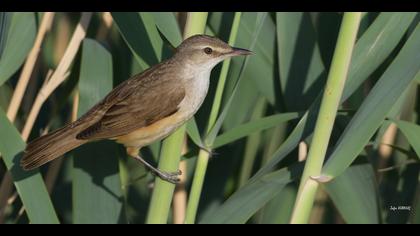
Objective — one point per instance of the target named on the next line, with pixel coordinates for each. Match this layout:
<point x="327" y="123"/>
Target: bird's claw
<point x="172" y="177"/>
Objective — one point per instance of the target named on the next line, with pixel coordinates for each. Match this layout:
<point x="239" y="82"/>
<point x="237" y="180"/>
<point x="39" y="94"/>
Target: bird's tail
<point x="49" y="147"/>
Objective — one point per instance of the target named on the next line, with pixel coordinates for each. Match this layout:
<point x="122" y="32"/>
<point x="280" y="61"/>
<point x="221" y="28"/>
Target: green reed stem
<point x="171" y="149"/>
<point x="325" y="121"/>
<point x="203" y="156"/>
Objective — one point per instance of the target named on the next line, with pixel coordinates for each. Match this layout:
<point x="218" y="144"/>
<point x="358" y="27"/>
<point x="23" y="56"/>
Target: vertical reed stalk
<point x="203" y="156"/>
<point x="325" y="121"/>
<point x="172" y="146"/>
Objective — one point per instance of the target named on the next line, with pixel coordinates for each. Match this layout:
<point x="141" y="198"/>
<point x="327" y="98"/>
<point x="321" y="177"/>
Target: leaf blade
<point x="370" y="51"/>
<point x="381" y="99"/>
<point x="20" y="38"/>
<point x="355" y="196"/>
<point x="97" y="194"/>
<point x="29" y="185"/>
<point x="168" y="25"/>
<point x="250" y="198"/>
<point x="243" y="130"/>
<point x="412" y="133"/>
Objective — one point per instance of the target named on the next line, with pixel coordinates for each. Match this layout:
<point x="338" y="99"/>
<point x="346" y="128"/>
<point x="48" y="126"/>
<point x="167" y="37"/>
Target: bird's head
<point x="203" y="51"/>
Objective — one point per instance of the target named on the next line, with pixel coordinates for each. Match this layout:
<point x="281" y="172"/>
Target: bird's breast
<point x="195" y="92"/>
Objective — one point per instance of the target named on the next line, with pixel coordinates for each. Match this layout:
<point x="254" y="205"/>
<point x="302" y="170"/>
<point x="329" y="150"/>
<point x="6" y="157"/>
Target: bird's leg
<point x="172" y="177"/>
<point x="168" y="176"/>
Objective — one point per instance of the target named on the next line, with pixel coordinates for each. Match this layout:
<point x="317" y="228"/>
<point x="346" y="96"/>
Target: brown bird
<point x="147" y="107"/>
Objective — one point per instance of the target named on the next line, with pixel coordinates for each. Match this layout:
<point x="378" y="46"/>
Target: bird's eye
<point x="208" y="50"/>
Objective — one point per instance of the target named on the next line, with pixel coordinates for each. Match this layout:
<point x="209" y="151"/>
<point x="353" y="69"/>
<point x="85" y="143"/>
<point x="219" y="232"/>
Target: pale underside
<point x="194" y="96"/>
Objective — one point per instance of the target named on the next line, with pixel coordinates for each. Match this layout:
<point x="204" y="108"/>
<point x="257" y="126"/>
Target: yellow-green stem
<point x="325" y="121"/>
<point x="163" y="190"/>
<point x="203" y="156"/>
<point x="223" y="75"/>
<point x="197" y="186"/>
<point x="171" y="149"/>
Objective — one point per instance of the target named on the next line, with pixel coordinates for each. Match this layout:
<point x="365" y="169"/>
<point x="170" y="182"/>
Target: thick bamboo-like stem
<point x="321" y="196"/>
<point x="171" y="148"/>
<point x="204" y="155"/>
<point x="325" y="121"/>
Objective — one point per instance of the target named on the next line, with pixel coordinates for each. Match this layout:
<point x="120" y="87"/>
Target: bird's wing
<point x="137" y="103"/>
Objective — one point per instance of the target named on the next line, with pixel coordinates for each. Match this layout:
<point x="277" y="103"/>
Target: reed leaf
<point x="30" y="185"/>
<point x="381" y="98"/>
<point x="97" y="194"/>
<point x="20" y="37"/>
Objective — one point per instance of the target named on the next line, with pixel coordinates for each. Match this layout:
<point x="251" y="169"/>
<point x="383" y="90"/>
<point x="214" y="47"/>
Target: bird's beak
<point x="240" y="52"/>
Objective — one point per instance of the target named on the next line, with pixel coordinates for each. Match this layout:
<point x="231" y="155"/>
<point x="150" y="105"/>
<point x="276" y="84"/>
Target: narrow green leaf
<point x="244" y="130"/>
<point x="152" y="33"/>
<point x="246" y="96"/>
<point x="20" y="38"/>
<point x="381" y="99"/>
<point x="243" y="101"/>
<point x="412" y="133"/>
<point x="5" y="18"/>
<point x="355" y="196"/>
<point x="133" y="30"/>
<point x="279" y="209"/>
<point x="211" y="136"/>
<point x="30" y="185"/>
<point x="97" y="194"/>
<point x="249" y="199"/>
<point x="5" y="96"/>
<point x="253" y="143"/>
<point x="260" y="66"/>
<point x="168" y="25"/>
<point x="193" y="133"/>
<point x="394" y="113"/>
<point x="220" y="89"/>
<point x="300" y="64"/>
<point x="370" y="51"/>
<point x="140" y="32"/>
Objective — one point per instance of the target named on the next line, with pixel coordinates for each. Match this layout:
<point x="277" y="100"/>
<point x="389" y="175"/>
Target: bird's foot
<point x="172" y="177"/>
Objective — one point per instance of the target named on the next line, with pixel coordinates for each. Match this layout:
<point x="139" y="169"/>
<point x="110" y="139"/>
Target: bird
<point x="143" y="109"/>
